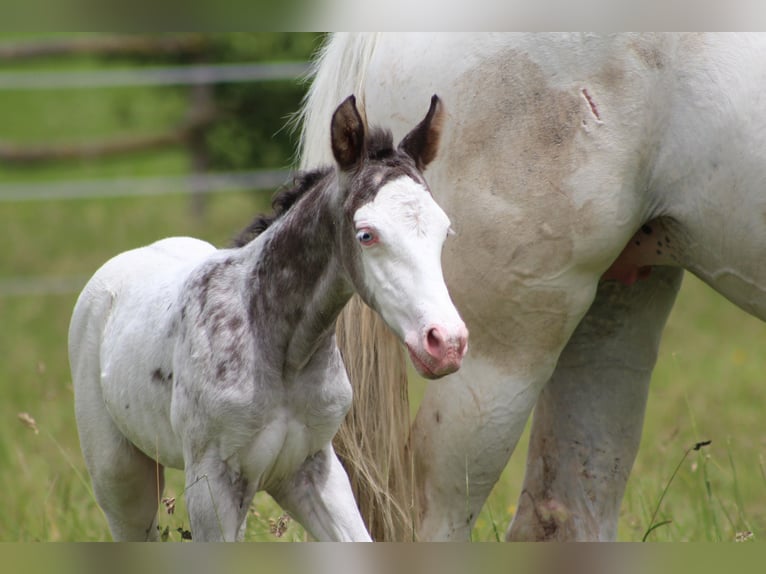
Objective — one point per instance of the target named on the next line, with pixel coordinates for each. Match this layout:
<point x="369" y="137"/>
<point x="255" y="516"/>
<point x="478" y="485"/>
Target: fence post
<point x="201" y="105"/>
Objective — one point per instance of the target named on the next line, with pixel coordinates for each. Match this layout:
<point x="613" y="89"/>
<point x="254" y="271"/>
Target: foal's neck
<point x="296" y="284"/>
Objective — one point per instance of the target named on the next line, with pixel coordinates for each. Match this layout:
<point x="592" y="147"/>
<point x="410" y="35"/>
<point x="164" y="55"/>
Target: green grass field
<point x="709" y="382"/>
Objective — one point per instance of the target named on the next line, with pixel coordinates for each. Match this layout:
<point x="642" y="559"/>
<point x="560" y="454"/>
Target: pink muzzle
<point x="439" y="351"/>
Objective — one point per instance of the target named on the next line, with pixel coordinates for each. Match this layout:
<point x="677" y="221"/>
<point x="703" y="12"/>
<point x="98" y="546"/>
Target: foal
<point x="224" y="362"/>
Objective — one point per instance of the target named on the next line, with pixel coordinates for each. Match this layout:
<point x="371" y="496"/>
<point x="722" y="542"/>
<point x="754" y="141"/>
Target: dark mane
<point x="285" y="198"/>
<point x="380" y="146"/>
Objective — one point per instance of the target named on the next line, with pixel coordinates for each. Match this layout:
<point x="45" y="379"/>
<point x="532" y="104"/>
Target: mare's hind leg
<point x="588" y="419"/>
<point x="126" y="482"/>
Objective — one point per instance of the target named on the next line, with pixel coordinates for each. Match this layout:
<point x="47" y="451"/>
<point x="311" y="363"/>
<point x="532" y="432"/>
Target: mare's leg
<point x="468" y="424"/>
<point x="127" y="483"/>
<point x="319" y="496"/>
<point x="217" y="497"/>
<point x="588" y="419"/>
<point x="465" y="431"/>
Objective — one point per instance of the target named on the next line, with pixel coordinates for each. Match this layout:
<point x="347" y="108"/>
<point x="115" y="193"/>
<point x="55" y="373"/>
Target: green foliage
<point x="251" y="128"/>
<point x="248" y="130"/>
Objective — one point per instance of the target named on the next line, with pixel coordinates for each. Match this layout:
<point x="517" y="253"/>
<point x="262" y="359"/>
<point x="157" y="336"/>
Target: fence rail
<point x="37" y="286"/>
<point x="199" y="77"/>
<point x="143" y="186"/>
<point x="191" y="75"/>
<point x="118" y="45"/>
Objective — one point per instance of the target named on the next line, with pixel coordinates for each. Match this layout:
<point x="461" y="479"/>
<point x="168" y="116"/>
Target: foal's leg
<point x="217" y="498"/>
<point x="319" y="496"/>
<point x="588" y="420"/>
<point x="127" y="483"/>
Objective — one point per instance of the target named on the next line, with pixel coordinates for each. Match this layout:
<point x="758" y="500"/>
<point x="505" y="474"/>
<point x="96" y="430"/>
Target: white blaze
<point x="402" y="271"/>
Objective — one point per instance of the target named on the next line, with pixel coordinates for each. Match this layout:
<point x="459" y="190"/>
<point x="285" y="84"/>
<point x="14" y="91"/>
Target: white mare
<point x="223" y="362"/>
<point x="583" y="173"/>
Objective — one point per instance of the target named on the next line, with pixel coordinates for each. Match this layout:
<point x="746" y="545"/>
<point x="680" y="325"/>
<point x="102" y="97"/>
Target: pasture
<point x="708" y="385"/>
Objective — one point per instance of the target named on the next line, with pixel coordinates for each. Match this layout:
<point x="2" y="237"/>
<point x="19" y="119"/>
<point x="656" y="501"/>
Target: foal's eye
<point x="366" y="236"/>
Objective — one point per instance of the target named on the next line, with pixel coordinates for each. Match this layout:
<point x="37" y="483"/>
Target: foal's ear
<point x="422" y="143"/>
<point x="347" y="133"/>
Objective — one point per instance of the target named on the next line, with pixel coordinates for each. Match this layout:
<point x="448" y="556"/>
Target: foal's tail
<point x="372" y="443"/>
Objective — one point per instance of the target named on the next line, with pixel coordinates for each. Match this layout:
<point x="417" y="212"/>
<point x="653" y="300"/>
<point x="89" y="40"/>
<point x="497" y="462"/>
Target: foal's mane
<point x="379" y="146"/>
<point x="285" y="198"/>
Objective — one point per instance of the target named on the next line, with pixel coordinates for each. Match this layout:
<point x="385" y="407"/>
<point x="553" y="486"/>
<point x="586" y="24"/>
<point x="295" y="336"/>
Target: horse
<point x="223" y="362"/>
<point x="583" y="173"/>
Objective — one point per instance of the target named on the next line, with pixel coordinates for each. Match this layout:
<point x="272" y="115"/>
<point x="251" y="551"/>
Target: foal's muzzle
<point x="439" y="350"/>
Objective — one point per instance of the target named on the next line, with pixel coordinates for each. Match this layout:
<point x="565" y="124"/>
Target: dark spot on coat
<point x="220" y="370"/>
<point x="234" y="323"/>
<point x="646" y="229"/>
<point x="158" y="376"/>
<point x="203" y="285"/>
<point x="438" y="417"/>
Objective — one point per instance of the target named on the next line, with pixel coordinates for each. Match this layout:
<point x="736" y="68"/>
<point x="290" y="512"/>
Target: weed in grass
<point x="709" y="513"/>
<point x="29" y="422"/>
<point x="652" y="524"/>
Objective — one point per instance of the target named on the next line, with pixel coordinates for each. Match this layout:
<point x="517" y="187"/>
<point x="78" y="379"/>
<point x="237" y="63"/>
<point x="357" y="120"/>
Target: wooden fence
<point x="190" y="133"/>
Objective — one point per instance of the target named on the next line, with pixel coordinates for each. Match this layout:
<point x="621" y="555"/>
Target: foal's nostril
<point x="435" y="343"/>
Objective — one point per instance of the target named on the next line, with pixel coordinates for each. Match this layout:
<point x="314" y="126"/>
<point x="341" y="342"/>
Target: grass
<point x="708" y="384"/>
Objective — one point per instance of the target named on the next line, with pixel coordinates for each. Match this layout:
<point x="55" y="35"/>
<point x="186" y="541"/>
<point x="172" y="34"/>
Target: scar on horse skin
<point x="591" y="103"/>
<point x="648" y="247"/>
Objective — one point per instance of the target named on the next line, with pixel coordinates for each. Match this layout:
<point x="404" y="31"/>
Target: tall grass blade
<point x="737" y="492"/>
<point x="652" y="525"/>
<point x="494" y="524"/>
<point x="71" y="464"/>
<point x="710" y="504"/>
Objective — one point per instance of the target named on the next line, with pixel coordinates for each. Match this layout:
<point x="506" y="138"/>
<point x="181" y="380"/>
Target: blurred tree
<point x="250" y="127"/>
<point x="225" y="127"/>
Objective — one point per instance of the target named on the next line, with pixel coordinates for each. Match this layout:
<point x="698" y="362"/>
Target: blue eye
<point x="365" y="236"/>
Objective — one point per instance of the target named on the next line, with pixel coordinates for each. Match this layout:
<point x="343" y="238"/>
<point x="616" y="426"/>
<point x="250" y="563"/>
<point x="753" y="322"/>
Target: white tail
<point x="372" y="443"/>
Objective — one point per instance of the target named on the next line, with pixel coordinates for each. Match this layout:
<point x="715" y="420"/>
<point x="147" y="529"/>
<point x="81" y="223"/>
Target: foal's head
<point x="394" y="232"/>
